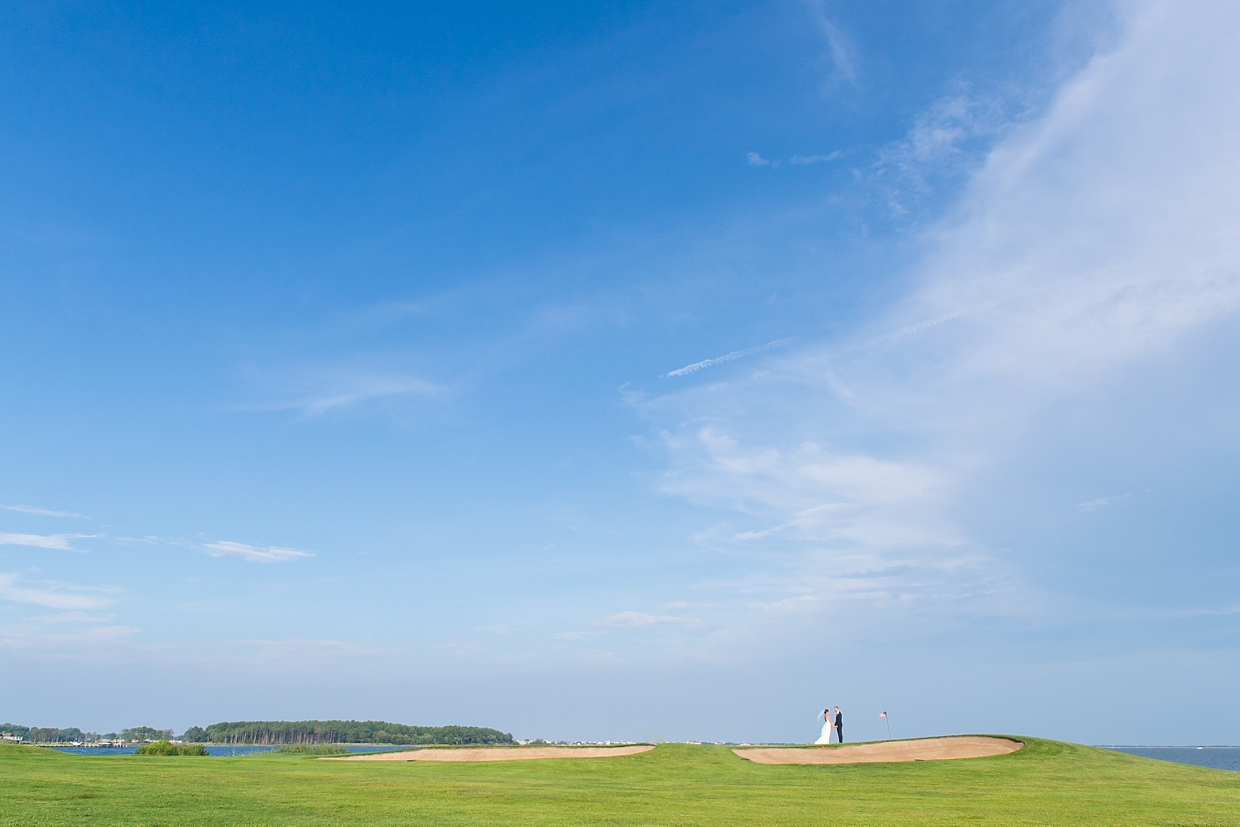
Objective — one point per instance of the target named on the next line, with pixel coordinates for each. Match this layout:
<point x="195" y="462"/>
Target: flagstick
<point x="888" y="719"/>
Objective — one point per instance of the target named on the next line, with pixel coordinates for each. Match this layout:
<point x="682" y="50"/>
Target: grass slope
<point x="1046" y="783"/>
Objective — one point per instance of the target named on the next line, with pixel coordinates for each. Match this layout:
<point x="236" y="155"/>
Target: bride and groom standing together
<point x="829" y="725"/>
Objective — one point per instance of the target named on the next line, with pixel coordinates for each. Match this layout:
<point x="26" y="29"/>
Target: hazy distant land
<point x="272" y="732"/>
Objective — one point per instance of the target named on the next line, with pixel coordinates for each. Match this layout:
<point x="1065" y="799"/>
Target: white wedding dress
<point x="825" y="737"/>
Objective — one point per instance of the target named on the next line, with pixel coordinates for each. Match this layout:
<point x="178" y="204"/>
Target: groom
<point x="839" y="725"/>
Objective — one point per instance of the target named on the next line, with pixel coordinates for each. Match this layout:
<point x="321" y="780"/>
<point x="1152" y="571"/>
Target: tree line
<point x="341" y="732"/>
<point x="45" y="735"/>
<point x="275" y="732"/>
<point x="68" y="735"/>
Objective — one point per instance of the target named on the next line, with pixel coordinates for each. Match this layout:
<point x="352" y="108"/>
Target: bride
<point x="827" y="727"/>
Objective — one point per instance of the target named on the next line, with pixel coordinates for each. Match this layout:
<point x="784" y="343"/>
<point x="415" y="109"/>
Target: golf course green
<point x="1046" y="783"/>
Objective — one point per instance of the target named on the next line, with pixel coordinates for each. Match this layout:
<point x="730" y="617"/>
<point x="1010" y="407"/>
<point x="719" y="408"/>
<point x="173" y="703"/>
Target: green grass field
<point x="1046" y="783"/>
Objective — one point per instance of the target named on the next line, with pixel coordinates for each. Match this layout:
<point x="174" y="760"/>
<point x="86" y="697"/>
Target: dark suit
<point x="839" y="726"/>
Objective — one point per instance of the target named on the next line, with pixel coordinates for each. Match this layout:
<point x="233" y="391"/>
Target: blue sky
<point x="622" y="371"/>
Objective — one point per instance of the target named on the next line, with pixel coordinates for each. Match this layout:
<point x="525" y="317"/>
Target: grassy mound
<point x="311" y="749"/>
<point x="1046" y="783"/>
<point x="169" y="748"/>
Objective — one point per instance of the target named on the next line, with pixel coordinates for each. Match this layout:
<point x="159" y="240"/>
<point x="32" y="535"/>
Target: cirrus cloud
<point x="58" y="542"/>
<point x="51" y="595"/>
<point x="43" y="512"/>
<point x="254" y="554"/>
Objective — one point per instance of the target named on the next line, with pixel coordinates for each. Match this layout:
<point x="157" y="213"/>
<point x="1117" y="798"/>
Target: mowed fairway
<point x="1046" y="783"/>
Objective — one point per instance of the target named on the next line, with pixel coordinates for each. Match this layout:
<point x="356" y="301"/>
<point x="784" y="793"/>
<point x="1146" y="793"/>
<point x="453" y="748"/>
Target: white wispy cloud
<point x="58" y="542"/>
<point x="69" y="617"/>
<point x="756" y="160"/>
<point x="1102" y="502"/>
<point x="935" y="148"/>
<point x="52" y="595"/>
<point x="254" y="554"/>
<point x="736" y="354"/>
<point x="820" y="158"/>
<point x="43" y="512"/>
<point x="359" y="389"/>
<point x="633" y="620"/>
<point x="90" y="644"/>
<point x="641" y="620"/>
<point x="853" y="523"/>
<point x="580" y="634"/>
<point x="1091" y="239"/>
<point x="681" y="605"/>
<point x="301" y="650"/>
<point x="316" y="392"/>
<point x="843" y="51"/>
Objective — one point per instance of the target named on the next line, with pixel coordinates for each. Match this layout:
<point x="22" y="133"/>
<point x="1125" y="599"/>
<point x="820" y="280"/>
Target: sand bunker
<point x="924" y="749"/>
<point x="498" y="753"/>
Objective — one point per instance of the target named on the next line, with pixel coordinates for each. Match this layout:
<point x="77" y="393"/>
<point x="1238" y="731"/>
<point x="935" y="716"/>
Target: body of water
<point x="215" y="749"/>
<point x="1218" y="758"/>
